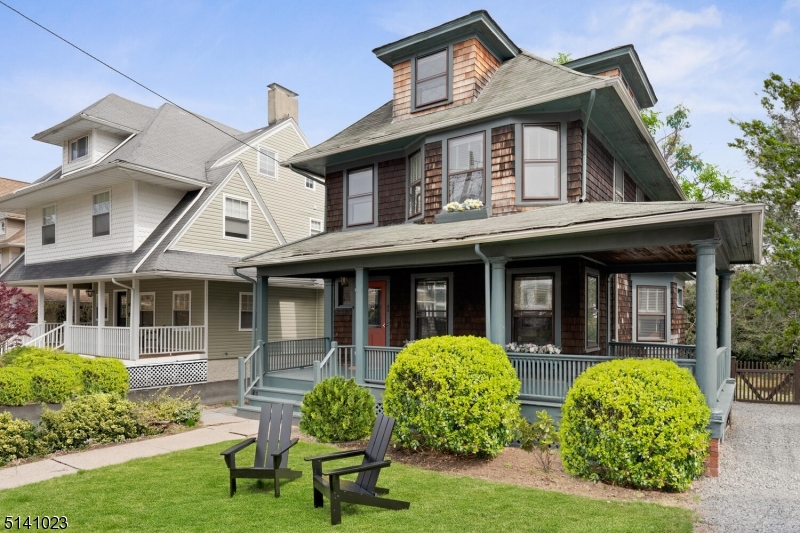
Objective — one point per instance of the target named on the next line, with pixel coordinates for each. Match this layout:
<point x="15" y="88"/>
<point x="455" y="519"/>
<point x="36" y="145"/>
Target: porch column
<point x="706" y="348"/>
<point x="262" y="319"/>
<point x="101" y="314"/>
<point x="361" y="319"/>
<point x="724" y="316"/>
<point x="77" y="299"/>
<point x="70" y="304"/>
<point x="40" y="303"/>
<point x="134" y="321"/>
<point x="498" y="304"/>
<point x="327" y="314"/>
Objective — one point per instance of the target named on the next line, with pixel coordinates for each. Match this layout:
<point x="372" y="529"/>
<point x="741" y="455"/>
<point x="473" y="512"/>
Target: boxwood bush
<point x="56" y="382"/>
<point x="337" y="410"/>
<point x="455" y="394"/>
<point x="104" y="375"/>
<point x="636" y="423"/>
<point x="17" y="439"/>
<point x="15" y="386"/>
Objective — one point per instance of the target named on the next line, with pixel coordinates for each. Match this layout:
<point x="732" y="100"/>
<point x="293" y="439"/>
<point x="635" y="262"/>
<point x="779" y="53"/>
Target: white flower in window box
<point x="471" y="204"/>
<point x="453" y="207"/>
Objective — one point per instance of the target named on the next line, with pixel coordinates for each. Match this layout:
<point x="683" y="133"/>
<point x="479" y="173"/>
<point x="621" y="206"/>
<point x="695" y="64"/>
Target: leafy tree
<point x="16" y="310"/>
<point x="562" y="57"/>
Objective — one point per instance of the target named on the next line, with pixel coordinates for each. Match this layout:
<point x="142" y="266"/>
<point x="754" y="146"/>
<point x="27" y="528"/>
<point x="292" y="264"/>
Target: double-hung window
<point x="652" y="315"/>
<point x="314" y="226"/>
<point x="532" y="318"/>
<point x="679" y="297"/>
<point x="79" y="148"/>
<point x="49" y="225"/>
<point x="310" y="184"/>
<point x="430" y="308"/>
<point x="360" y="200"/>
<point x="147" y="309"/>
<point x="2" y="226"/>
<point x="101" y="214"/>
<point x="541" y="169"/>
<point x="466" y="168"/>
<point x="181" y="308"/>
<point x="592" y="310"/>
<point x="237" y="218"/>
<point x="267" y="162"/>
<point x="430" y="85"/>
<point x="245" y="311"/>
<point x="415" y="184"/>
<point x="619" y="182"/>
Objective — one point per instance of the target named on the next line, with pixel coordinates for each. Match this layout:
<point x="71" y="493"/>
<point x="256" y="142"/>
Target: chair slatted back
<point x="376" y="451"/>
<point x="274" y="434"/>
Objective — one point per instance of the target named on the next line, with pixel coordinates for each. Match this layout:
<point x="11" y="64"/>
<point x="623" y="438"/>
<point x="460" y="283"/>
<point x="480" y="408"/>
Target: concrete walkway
<point x="219" y="425"/>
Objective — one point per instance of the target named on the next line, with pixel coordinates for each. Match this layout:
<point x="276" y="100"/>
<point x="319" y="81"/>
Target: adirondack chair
<point x="364" y="491"/>
<point x="272" y="449"/>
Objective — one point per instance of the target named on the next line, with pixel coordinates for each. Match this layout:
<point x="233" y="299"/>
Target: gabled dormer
<point x="446" y="66"/>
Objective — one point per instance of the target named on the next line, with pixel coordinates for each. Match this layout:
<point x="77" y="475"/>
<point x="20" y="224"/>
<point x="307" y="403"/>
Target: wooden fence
<point x="765" y="382"/>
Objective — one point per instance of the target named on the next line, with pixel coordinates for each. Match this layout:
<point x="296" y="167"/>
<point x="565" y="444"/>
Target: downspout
<point x="306" y="174"/>
<point x="254" y="319"/>
<point x="115" y="282"/>
<point x="585" y="144"/>
<point x="608" y="314"/>
<point x="486" y="284"/>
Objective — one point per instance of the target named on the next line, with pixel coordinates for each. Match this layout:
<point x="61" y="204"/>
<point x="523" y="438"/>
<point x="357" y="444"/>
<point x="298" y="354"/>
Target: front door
<point x="122" y="308"/>
<point x="377" y="313"/>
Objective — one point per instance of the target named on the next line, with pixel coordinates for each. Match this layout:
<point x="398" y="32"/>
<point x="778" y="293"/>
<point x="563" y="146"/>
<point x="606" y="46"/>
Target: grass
<point x="188" y="491"/>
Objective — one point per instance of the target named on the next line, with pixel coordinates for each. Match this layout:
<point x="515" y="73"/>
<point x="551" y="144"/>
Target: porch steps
<point x="262" y="395"/>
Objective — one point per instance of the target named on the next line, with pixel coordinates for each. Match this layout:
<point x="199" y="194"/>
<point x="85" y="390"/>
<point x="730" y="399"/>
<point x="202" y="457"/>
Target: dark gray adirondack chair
<point x="272" y="449"/>
<point x="364" y="491"/>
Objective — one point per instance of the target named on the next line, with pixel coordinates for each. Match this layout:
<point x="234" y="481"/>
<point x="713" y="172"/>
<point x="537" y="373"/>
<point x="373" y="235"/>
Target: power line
<point x="143" y="86"/>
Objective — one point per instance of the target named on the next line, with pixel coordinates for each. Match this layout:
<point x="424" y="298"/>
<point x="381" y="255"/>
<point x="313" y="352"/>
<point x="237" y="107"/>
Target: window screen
<point x="465" y="164"/>
<point x="431" y="82"/>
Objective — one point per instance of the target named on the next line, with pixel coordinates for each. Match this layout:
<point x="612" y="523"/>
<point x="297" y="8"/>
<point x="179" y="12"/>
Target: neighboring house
<point x="144" y="214"/>
<point x="12" y="226"/>
<point x="582" y="241"/>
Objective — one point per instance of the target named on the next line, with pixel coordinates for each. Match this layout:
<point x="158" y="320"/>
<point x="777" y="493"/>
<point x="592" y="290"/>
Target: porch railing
<point x="378" y="361"/>
<point x="249" y="372"/>
<point x="51" y="338"/>
<point x="172" y="339"/>
<point x="549" y="377"/>
<point x="339" y="361"/>
<point x="116" y="342"/>
<point x="83" y="340"/>
<point x="651" y="350"/>
<point x="295" y="353"/>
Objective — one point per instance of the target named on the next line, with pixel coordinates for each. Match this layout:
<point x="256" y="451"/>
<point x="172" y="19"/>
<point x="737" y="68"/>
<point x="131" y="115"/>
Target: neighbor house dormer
<point x="446" y="66"/>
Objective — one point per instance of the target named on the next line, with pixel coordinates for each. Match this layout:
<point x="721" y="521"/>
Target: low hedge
<point x="17" y="439"/>
<point x="56" y="382"/>
<point x="16" y="387"/>
<point x="104" y="375"/>
<point x="337" y="410"/>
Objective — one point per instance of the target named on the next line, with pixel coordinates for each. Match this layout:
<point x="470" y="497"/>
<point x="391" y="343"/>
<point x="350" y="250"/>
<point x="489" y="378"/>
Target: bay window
<point x="415" y="184"/>
<point x="466" y="168"/>
<point x="541" y="168"/>
<point x="360" y="199"/>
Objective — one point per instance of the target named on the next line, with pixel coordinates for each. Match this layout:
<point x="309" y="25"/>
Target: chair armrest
<point x="239" y="447"/>
<point x="337" y="455"/>
<point x="356" y="469"/>
<point x="283" y="451"/>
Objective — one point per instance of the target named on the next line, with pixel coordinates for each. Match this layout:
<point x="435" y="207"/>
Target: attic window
<point x="431" y="78"/>
<point x="79" y="148"/>
<point x="267" y="162"/>
<point x="237" y="218"/>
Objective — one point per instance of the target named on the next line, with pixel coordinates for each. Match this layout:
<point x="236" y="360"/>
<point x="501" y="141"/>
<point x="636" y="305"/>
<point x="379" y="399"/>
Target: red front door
<point x="377" y="313"/>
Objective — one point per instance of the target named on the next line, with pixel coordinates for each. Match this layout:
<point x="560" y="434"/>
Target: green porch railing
<point x="295" y="353"/>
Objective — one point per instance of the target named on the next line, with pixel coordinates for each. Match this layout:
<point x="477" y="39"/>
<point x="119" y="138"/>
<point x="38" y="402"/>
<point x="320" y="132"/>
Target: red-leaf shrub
<point x="17" y="309"/>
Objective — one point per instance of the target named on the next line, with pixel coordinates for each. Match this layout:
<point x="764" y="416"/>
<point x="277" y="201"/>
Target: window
<point x="2" y="226"/>
<point x="532" y="313"/>
<point x="465" y="168"/>
<point x="315" y="226"/>
<point x="359" y="197"/>
<point x="147" y="309"/>
<point x="267" y="162"/>
<point x="245" y="311"/>
<point x="592" y="310"/>
<point x="415" y="184"/>
<point x="639" y="194"/>
<point x="430" y="308"/>
<point x="101" y="214"/>
<point x="652" y="318"/>
<point x="79" y="148"/>
<point x="310" y="184"/>
<point x="181" y="308"/>
<point x="344" y="292"/>
<point x="49" y="225"/>
<point x="679" y="297"/>
<point x="619" y="182"/>
<point x="237" y="218"/>
<point x="540" y="166"/>
<point x="431" y="78"/>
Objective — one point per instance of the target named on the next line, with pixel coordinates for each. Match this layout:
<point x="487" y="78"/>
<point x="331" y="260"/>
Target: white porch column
<point x="706" y="348"/>
<point x="134" y="321"/>
<point x="70" y="304"/>
<point x="40" y="303"/>
<point x="101" y="314"/>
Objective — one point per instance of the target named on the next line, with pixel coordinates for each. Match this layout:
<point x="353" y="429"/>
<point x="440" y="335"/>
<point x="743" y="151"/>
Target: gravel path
<point x="758" y="489"/>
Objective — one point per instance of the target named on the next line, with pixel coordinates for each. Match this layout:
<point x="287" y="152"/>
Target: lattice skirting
<point x="166" y="374"/>
<point x="378" y="408"/>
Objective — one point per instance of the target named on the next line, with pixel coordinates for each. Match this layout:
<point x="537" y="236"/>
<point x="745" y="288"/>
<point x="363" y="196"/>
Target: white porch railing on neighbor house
<point x="51" y="338"/>
<point x="83" y="340"/>
<point x="651" y="350"/>
<point x="171" y="339"/>
<point x="116" y="341"/>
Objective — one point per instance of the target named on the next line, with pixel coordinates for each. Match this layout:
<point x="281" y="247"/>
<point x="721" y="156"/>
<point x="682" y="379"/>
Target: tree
<point x="16" y="310"/>
<point x="562" y="57"/>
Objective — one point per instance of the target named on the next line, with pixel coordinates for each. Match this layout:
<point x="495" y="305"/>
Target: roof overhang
<point x="477" y="24"/>
<point x="78" y="125"/>
<point x="627" y="60"/>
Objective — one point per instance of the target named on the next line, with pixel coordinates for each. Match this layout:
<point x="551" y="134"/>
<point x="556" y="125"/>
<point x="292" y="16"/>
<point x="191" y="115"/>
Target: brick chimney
<point x="281" y="104"/>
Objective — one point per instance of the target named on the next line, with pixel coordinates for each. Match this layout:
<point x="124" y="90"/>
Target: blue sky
<point x="216" y="59"/>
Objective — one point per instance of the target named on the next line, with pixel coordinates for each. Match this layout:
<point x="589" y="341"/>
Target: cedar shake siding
<point x="343" y="326"/>
<point x="678" y="316"/>
<point x="503" y="180"/>
<point x="625" y="316"/>
<point x="473" y="67"/>
<point x="391" y="192"/>
<point x="599" y="172"/>
<point x="630" y="189"/>
<point x="433" y="180"/>
<point x="574" y="160"/>
<point x="334" y="208"/>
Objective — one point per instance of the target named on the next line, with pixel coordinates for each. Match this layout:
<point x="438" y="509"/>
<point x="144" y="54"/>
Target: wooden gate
<point x="761" y="381"/>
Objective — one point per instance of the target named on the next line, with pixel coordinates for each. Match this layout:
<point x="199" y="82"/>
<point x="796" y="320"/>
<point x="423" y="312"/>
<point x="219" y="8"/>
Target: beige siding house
<point x="146" y="212"/>
<point x="12" y="226"/>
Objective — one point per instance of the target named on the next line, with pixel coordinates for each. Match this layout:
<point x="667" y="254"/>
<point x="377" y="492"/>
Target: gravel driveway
<point x="758" y="489"/>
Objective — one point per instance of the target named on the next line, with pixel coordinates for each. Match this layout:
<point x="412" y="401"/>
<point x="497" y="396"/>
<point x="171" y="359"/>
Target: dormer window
<point x="79" y="148"/>
<point x="430" y="82"/>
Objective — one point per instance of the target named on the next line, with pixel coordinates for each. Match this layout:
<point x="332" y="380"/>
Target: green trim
<point x="626" y="58"/>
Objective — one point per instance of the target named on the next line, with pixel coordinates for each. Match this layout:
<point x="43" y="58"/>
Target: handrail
<point x="42" y="336"/>
<point x="255" y="374"/>
<point x="318" y="365"/>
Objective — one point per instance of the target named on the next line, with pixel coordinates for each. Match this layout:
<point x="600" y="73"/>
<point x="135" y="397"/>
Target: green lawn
<point x="188" y="491"/>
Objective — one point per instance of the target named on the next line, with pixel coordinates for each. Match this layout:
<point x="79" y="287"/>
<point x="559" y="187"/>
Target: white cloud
<point x="781" y="27"/>
<point x="657" y="20"/>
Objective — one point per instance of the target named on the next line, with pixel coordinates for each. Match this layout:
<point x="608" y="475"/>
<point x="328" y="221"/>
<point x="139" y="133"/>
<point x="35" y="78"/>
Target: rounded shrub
<point x="104" y="375"/>
<point x="56" y="382"/>
<point x="30" y="356"/>
<point x="15" y="386"/>
<point x="337" y="410"/>
<point x="455" y="394"/>
<point x="636" y="423"/>
<point x="17" y="439"/>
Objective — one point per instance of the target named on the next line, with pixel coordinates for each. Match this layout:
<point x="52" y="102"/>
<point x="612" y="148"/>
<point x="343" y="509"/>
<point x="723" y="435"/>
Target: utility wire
<point x="143" y="86"/>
